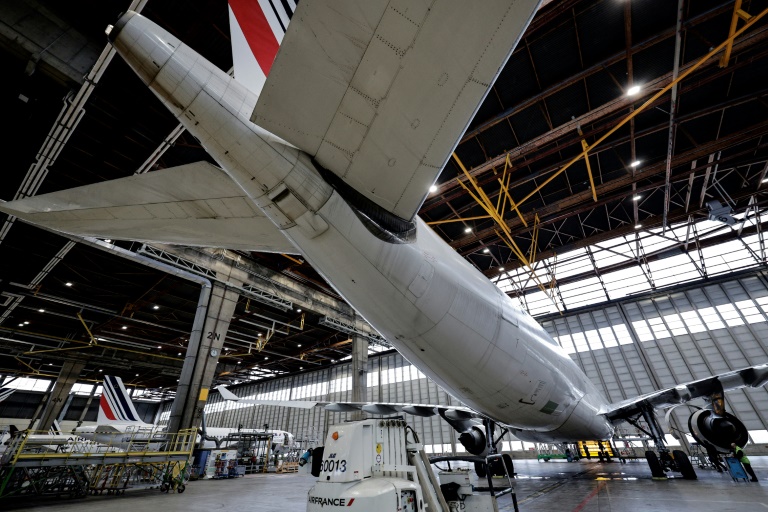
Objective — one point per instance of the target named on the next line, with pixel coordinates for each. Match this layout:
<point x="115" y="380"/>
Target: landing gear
<point x="665" y="461"/>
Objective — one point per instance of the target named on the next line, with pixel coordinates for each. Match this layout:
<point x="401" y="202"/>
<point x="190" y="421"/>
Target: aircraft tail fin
<point x="115" y="406"/>
<point x="257" y="28"/>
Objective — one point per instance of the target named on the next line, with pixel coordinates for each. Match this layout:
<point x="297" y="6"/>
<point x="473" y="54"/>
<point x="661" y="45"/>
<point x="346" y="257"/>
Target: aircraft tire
<point x="181" y="488"/>
<point x="653" y="462"/>
<point x="684" y="465"/>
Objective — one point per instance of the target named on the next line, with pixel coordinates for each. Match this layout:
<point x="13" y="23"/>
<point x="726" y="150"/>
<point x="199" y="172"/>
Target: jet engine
<point x="474" y="441"/>
<point x="718" y="430"/>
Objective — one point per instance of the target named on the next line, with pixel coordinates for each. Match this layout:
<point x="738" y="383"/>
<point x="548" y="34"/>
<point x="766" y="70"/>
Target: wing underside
<point x="754" y="377"/>
<point x="195" y="204"/>
<point x="379" y="92"/>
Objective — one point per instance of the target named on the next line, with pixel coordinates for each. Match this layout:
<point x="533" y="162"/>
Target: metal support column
<point x="70" y="371"/>
<point x="205" y="344"/>
<point x="359" y="373"/>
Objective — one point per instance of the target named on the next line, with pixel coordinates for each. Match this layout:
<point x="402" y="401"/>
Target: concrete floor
<point x="554" y="486"/>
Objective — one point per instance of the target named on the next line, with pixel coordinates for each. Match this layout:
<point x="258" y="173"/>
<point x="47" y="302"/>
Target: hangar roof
<point x="556" y="233"/>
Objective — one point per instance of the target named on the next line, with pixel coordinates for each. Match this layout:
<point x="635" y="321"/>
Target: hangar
<point x="644" y="261"/>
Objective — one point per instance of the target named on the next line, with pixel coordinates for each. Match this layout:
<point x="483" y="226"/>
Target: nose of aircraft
<point x="145" y="46"/>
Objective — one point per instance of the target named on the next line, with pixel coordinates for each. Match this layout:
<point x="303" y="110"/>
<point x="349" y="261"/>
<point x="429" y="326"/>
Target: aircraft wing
<point x="754" y="377"/>
<point x="381" y="408"/>
<point x="193" y="204"/>
<point x="379" y="92"/>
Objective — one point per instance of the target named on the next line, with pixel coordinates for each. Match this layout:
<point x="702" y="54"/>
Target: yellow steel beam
<point x="459" y="219"/>
<point x="482" y="199"/>
<point x="56" y="350"/>
<point x="298" y="262"/>
<point x="737" y="13"/>
<point x="512" y="205"/>
<point x="534" y="238"/>
<point x="90" y="334"/>
<point x="35" y="372"/>
<point x="641" y="108"/>
<point x="584" y="147"/>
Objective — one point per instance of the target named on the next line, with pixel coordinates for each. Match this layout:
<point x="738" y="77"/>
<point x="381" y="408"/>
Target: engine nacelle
<point x="474" y="441"/>
<point x="717" y="430"/>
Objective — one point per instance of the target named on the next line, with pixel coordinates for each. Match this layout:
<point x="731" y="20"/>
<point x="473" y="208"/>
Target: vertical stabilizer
<point x="257" y="28"/>
<point x="115" y="405"/>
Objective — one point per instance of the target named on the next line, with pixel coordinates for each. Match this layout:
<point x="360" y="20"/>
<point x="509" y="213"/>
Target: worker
<point x="738" y="452"/>
<point x="305" y="457"/>
<point x="714" y="457"/>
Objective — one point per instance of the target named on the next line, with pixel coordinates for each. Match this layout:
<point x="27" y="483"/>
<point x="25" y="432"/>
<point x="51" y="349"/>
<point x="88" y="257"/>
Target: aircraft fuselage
<point x="437" y="310"/>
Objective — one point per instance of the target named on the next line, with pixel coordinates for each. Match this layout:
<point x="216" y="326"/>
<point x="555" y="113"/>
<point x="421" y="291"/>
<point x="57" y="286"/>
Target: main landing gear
<point x="665" y="460"/>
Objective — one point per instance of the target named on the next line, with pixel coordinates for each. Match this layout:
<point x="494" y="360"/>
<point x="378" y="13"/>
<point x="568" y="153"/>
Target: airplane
<point x="119" y="425"/>
<point x="360" y="107"/>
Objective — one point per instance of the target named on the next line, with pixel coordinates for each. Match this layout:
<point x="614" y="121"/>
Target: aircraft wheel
<point x="653" y="462"/>
<point x="480" y="469"/>
<point x="684" y="465"/>
<point x="164" y="487"/>
<point x="181" y="488"/>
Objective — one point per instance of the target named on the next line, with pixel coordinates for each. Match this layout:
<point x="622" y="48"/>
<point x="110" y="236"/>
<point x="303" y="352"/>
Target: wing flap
<point x="195" y="204"/>
<point x="380" y="92"/>
<point x="753" y="376"/>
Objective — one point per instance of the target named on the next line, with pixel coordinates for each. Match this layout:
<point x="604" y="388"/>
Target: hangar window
<point x="643" y="331"/>
<point x="711" y="318"/>
<point x="693" y="322"/>
<point x="730" y="315"/>
<point x="749" y="309"/>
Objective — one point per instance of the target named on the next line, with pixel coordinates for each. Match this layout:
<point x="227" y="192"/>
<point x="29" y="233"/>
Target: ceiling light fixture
<point x="765" y="180"/>
<point x="26" y="323"/>
<point x="265" y="358"/>
<point x="298" y="310"/>
<point x="638" y="226"/>
<point x="637" y="197"/>
<point x="433" y="189"/>
<point x="486" y="250"/>
<point x="103" y="370"/>
<point x="124" y="327"/>
<point x="633" y="90"/>
<point x="68" y="284"/>
<point x="635" y="163"/>
<point x="41" y="310"/>
<point x="109" y="241"/>
<point x="298" y="345"/>
<point x="501" y="269"/>
<point x="467" y="230"/>
<point x="155" y="307"/>
<point x="21" y="325"/>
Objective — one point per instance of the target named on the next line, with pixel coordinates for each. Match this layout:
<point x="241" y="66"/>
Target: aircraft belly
<point x="468" y="350"/>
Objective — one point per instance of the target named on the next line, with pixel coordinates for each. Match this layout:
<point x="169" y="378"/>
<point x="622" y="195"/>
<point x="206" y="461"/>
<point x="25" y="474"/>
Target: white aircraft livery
<point x="331" y="156"/>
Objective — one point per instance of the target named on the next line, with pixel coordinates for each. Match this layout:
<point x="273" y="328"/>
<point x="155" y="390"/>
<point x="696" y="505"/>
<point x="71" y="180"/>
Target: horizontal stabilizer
<point x="754" y="377"/>
<point x="195" y="204"/>
<point x="379" y="92"/>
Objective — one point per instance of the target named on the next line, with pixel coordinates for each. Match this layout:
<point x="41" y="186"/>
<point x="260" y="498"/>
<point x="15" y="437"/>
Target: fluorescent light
<point x="298" y="345"/>
<point x="433" y="188"/>
<point x="124" y="327"/>
<point x="467" y="230"/>
<point x="155" y="307"/>
<point x="486" y="250"/>
<point x="26" y="323"/>
<point x="638" y="226"/>
<point x="633" y="90"/>
<point x="635" y="163"/>
<point x="103" y="370"/>
<point x="41" y="310"/>
<point x="21" y="325"/>
<point x="67" y="284"/>
<point x="178" y="354"/>
<point x="265" y="358"/>
<point x="637" y="197"/>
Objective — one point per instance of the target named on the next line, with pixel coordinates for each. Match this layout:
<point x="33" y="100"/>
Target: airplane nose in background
<point x="144" y="46"/>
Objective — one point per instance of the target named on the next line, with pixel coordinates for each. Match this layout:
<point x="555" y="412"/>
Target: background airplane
<point x="119" y="425"/>
<point x="362" y="107"/>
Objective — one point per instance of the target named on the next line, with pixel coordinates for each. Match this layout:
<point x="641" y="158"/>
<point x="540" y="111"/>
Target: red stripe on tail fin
<point x="257" y="31"/>
<point x="105" y="407"/>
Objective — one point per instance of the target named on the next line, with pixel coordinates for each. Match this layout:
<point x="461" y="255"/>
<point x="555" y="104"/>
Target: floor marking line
<point x="591" y="495"/>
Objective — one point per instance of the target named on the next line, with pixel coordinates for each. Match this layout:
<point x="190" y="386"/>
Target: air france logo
<point x="331" y="502"/>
